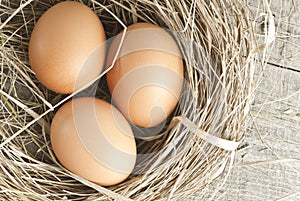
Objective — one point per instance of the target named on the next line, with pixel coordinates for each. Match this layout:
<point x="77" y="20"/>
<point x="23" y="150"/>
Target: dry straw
<point x="192" y="157"/>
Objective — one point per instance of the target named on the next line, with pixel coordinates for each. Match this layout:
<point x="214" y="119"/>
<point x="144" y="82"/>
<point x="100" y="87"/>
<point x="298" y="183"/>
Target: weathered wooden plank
<point x="286" y="50"/>
<point x="268" y="167"/>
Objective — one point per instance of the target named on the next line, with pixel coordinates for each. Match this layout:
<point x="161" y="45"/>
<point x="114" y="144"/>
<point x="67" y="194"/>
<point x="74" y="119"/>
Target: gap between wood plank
<point x="283" y="67"/>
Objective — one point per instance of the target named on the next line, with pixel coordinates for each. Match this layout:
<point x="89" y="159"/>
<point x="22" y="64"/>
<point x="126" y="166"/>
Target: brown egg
<point x="64" y="37"/>
<point x="147" y="78"/>
<point x="92" y="139"/>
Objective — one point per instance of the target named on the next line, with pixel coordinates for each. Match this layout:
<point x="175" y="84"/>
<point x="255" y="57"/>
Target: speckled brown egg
<point x="67" y="47"/>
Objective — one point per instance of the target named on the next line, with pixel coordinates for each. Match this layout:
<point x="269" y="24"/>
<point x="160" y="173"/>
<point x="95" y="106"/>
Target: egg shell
<point x="92" y="139"/>
<point x="147" y="78"/>
<point x="67" y="47"/>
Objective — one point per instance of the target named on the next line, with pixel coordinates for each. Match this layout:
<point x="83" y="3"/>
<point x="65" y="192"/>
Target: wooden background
<point x="268" y="165"/>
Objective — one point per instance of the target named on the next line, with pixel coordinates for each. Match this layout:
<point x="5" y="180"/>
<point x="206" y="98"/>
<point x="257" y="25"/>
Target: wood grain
<point x="268" y="167"/>
<point x="286" y="49"/>
<point x="268" y="164"/>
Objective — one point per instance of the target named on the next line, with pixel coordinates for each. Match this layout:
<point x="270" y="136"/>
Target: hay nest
<point x="191" y="156"/>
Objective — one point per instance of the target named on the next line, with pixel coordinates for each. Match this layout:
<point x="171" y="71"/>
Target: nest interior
<point x="192" y="154"/>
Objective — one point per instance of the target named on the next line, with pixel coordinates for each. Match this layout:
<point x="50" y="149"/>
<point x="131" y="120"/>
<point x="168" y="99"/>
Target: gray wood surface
<point x="286" y="13"/>
<point x="268" y="167"/>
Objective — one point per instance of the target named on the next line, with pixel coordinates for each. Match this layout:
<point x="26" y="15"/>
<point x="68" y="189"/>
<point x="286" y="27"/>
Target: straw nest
<point x="191" y="156"/>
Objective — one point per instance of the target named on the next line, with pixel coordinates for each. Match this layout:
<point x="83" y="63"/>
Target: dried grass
<point x="192" y="157"/>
